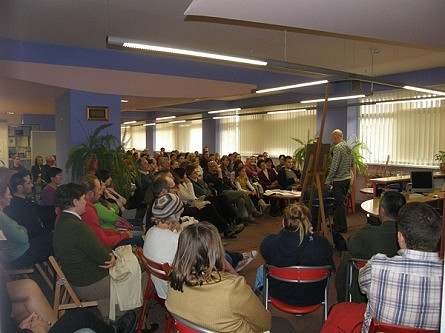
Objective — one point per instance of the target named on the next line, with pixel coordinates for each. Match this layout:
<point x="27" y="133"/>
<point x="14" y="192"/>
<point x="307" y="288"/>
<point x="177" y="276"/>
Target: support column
<point x="150" y="139"/>
<point x="72" y="123"/>
<point x="209" y="137"/>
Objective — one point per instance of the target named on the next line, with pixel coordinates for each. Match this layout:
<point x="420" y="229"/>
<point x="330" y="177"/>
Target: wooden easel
<point x="316" y="174"/>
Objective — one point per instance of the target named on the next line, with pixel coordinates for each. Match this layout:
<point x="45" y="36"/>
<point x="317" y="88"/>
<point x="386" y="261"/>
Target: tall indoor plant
<point x="440" y="156"/>
<point x="103" y="151"/>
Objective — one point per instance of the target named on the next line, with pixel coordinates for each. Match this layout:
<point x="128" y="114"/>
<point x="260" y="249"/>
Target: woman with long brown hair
<point x="202" y="292"/>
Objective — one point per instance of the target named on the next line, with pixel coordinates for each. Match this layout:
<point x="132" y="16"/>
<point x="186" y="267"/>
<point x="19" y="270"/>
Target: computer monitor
<point x="422" y="181"/>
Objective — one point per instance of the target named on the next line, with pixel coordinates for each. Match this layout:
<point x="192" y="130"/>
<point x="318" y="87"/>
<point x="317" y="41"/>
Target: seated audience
<point x="109" y="192"/>
<point x="227" y="173"/>
<point x="107" y="237"/>
<point x="406" y="289"/>
<point x="215" y="180"/>
<point x="267" y="177"/>
<point x="85" y="261"/>
<point x="281" y="160"/>
<point x="19" y="250"/>
<point x="36" y="169"/>
<point x="221" y="301"/>
<point x="296" y="245"/>
<point x="146" y="170"/>
<point x="36" y="219"/>
<point x="55" y="175"/>
<point x="287" y="176"/>
<point x="369" y="241"/>
<point x="251" y="168"/>
<point x="243" y="183"/>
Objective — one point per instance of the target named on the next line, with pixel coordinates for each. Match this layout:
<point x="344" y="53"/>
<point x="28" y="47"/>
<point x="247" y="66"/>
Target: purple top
<point x="48" y="194"/>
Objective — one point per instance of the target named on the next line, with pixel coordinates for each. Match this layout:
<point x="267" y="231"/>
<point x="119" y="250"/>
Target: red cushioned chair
<point x="161" y="271"/>
<point x="184" y="326"/>
<point x="378" y="327"/>
<point x="353" y="263"/>
<point x="297" y="274"/>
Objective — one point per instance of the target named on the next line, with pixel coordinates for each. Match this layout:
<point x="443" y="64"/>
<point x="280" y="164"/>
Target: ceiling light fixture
<point x="121" y="42"/>
<point x="411" y="101"/>
<point x="163" y="118"/>
<point x="225" y="110"/>
<point x="429" y="91"/>
<point x="129" y="122"/>
<point x="125" y="100"/>
<point x="150" y="124"/>
<point x="226" y="117"/>
<point x="286" y="111"/>
<point x="9" y="112"/>
<point x="333" y="98"/>
<point x="293" y="86"/>
<point x="176" y="122"/>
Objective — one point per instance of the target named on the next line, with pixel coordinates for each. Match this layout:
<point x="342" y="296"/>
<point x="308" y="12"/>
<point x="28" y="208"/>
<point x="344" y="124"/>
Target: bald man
<point x="340" y="177"/>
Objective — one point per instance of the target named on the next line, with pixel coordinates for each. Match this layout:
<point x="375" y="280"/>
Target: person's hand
<point x="110" y="263"/>
<point x="296" y="180"/>
<point x="186" y="180"/>
<point x="38" y="325"/>
<point x="26" y="323"/>
<point x="130" y="235"/>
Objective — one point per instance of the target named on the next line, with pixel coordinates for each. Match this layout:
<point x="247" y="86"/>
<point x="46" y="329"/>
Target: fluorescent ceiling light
<point x="411" y="101"/>
<point x="226" y="117"/>
<point x="125" y="100"/>
<point x="150" y="124"/>
<point x="129" y="122"/>
<point x="163" y="118"/>
<point x="333" y="98"/>
<point x="176" y="122"/>
<point x="293" y="86"/>
<point x="429" y="91"/>
<point x="165" y="49"/>
<point x="286" y="111"/>
<point x="123" y="127"/>
<point x="225" y="110"/>
<point x="9" y="112"/>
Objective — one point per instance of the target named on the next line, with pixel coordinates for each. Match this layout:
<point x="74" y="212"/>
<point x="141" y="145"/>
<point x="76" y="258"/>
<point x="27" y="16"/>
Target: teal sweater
<point x="17" y="241"/>
<point x="79" y="251"/>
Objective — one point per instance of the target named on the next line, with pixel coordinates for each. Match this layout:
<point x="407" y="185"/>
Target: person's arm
<point x="13" y="231"/>
<point x="354" y="244"/>
<point x="246" y="304"/>
<point x="238" y="186"/>
<point x="334" y="165"/>
<point x="250" y="187"/>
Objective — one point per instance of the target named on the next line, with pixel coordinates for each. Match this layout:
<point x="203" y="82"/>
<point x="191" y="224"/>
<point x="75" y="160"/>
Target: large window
<point x="254" y="134"/>
<point x="183" y="136"/>
<point x="134" y="137"/>
<point x="409" y="132"/>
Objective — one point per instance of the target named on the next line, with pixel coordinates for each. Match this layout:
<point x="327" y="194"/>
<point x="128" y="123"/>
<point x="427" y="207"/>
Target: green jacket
<point x="79" y="251"/>
<point x="107" y="218"/>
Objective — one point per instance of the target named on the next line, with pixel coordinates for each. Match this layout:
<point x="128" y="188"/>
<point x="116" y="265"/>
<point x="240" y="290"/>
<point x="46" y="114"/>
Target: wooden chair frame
<point x="63" y="293"/>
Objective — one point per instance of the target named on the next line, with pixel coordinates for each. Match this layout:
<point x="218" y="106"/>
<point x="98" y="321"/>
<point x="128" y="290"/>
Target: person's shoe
<point x="229" y="233"/>
<point x="127" y="323"/>
<point x="257" y="214"/>
<point x="237" y="228"/>
<point x="247" y="259"/>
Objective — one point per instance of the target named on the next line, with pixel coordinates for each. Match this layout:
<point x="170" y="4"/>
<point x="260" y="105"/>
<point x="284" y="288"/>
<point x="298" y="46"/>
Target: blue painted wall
<point x="45" y="122"/>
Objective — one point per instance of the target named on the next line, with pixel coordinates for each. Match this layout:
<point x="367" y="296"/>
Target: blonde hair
<point x="297" y="217"/>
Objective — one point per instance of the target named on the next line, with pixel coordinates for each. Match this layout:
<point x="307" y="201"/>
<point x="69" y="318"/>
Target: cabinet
<point x="19" y="143"/>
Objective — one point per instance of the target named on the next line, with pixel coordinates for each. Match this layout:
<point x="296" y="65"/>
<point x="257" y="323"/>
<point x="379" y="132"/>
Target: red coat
<point x="265" y="183"/>
<point x="107" y="237"/>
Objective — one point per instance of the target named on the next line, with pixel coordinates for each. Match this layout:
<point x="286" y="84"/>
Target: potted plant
<point x="440" y="156"/>
<point x="103" y="152"/>
<point x="300" y="152"/>
<point x="359" y="161"/>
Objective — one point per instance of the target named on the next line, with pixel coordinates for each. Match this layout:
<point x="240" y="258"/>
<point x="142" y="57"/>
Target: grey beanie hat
<point x="166" y="206"/>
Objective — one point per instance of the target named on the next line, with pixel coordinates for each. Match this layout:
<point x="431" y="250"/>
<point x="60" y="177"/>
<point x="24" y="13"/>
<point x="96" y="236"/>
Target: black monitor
<point x="422" y="181"/>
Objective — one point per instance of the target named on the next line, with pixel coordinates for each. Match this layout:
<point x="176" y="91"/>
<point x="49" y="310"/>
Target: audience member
<point x="50" y="161"/>
<point x="36" y="169"/>
<point x="109" y="192"/>
<point x="16" y="166"/>
<point x="282" y="163"/>
<point x="19" y="250"/>
<point x="297" y="245"/>
<point x="242" y="183"/>
<point x="36" y="219"/>
<point x="288" y="177"/>
<point x="340" y="177"/>
<point x="146" y="171"/>
<point x="406" y="289"/>
<point x="221" y="301"/>
<point x="369" y="241"/>
<point x="55" y="175"/>
<point x="251" y="168"/>
<point x="84" y="259"/>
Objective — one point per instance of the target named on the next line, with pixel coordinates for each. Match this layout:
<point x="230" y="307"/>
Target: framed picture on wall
<point x="100" y="113"/>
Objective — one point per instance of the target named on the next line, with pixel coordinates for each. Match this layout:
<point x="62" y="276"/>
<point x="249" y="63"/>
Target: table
<point x="371" y="206"/>
<point x="283" y="195"/>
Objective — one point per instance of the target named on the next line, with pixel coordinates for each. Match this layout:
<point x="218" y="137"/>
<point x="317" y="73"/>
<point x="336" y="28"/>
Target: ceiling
<point x="66" y="48"/>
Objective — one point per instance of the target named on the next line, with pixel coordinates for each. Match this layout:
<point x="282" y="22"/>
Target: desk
<point x="371" y="206"/>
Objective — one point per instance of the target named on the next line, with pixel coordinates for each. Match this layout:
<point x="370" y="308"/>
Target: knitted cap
<point x="166" y="206"/>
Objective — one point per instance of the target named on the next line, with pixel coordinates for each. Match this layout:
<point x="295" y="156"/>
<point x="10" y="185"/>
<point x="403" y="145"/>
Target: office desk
<point x="371" y="206"/>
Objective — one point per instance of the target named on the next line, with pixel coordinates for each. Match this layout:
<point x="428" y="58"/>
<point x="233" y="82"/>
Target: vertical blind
<point x="134" y="137"/>
<point x="184" y="136"/>
<point x="409" y="132"/>
<point x="273" y="133"/>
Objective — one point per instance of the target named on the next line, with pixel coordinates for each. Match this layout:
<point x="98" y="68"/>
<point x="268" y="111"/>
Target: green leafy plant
<point x="103" y="151"/>
<point x="300" y="152"/>
<point x="357" y="147"/>
<point x="440" y="156"/>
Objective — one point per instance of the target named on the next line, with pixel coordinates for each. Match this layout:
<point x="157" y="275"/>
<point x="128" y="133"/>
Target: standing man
<point x="340" y="177"/>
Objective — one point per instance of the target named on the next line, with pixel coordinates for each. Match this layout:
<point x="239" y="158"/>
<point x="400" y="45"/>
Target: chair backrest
<point x="63" y="292"/>
<point x="377" y="327"/>
<point x="184" y="326"/>
<point x="161" y="271"/>
<point x="299" y="274"/>
<point x="354" y="263"/>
